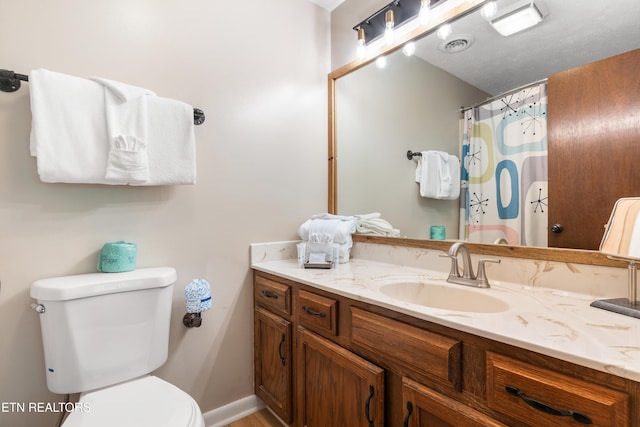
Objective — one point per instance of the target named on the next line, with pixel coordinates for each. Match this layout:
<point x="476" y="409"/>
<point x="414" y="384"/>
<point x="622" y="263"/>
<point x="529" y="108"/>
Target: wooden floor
<point x="263" y="418"/>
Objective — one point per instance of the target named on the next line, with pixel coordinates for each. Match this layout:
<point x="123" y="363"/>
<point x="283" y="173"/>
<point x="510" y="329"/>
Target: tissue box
<point x="117" y="257"/>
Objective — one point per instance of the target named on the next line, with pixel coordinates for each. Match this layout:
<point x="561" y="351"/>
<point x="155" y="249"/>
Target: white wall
<point x="258" y="70"/>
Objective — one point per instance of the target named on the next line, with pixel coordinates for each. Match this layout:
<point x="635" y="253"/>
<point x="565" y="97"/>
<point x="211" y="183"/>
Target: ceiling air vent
<point x="456" y="43"/>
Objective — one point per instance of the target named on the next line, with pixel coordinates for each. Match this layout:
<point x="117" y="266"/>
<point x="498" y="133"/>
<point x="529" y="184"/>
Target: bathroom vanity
<point x="356" y="346"/>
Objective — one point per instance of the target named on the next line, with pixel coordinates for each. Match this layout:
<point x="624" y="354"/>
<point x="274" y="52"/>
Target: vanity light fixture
<point x="518" y="17"/>
<point x="361" y="51"/>
<point x="423" y="15"/>
<point x="390" y="18"/>
<point x="389" y="23"/>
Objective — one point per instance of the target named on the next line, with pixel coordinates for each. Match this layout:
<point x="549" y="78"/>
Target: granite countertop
<point x="553" y="322"/>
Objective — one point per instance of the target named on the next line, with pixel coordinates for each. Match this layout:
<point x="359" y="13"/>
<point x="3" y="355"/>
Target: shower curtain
<point x="504" y="172"/>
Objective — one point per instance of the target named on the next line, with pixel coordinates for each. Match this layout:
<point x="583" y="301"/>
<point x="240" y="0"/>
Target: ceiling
<point x="328" y="4"/>
<point x="575" y="32"/>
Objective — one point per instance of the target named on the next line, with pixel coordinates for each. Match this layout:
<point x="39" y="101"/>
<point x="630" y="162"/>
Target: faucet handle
<point x="482" y="279"/>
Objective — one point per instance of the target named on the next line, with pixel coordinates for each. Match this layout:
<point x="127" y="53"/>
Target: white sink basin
<point x="452" y="297"/>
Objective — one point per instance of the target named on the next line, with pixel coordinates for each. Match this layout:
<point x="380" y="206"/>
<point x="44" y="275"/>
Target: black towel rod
<point x="10" y="82"/>
<point x="410" y="154"/>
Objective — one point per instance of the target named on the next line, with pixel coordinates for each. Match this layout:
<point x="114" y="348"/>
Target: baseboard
<point x="233" y="411"/>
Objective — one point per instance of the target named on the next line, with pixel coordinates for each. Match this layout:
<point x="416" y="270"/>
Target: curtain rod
<point x="493" y="98"/>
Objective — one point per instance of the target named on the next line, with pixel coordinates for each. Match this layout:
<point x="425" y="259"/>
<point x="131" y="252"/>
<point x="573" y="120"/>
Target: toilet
<point x="103" y="336"/>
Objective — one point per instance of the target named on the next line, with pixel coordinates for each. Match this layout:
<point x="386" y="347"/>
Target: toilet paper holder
<point x="198" y="299"/>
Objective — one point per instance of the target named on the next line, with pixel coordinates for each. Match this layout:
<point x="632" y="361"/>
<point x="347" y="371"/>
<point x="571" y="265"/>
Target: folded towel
<point x="128" y="162"/>
<point x="438" y="174"/>
<point x="68" y="128"/>
<point x="166" y="125"/>
<point x="373" y="224"/>
<point x="172" y="142"/>
<point x="127" y="118"/>
<point x="340" y="227"/>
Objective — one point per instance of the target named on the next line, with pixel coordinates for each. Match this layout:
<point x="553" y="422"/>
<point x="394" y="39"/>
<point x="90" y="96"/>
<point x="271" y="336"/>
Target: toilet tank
<point x="103" y="328"/>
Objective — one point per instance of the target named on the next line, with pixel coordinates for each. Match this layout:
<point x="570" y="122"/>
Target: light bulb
<point x="424" y="12"/>
<point x="409" y="49"/>
<point x="381" y="62"/>
<point x="389" y="24"/>
<point x="444" y="31"/>
<point x="361" y="51"/>
<point x="489" y="10"/>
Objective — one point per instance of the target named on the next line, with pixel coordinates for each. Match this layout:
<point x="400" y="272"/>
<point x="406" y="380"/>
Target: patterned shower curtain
<point x="504" y="172"/>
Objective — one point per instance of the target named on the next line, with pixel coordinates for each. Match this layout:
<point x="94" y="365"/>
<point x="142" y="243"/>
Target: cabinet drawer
<point x="272" y="295"/>
<point x="414" y="349"/>
<point x="538" y="396"/>
<point x="317" y="313"/>
<point x="425" y="407"/>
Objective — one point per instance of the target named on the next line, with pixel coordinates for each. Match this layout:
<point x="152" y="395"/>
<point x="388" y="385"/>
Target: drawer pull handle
<point x="282" y="359"/>
<point x="366" y="406"/>
<point x="409" y="412"/>
<point x="579" y="417"/>
<point x="312" y="312"/>
<point x="269" y="294"/>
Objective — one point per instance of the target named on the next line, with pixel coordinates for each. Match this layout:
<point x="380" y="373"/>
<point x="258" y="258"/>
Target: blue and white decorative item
<point x="198" y="299"/>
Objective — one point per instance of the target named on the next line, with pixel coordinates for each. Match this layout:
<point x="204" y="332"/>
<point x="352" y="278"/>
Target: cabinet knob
<point x="557" y="228"/>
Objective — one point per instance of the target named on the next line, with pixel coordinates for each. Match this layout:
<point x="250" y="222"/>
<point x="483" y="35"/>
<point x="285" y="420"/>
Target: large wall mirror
<point x="414" y="103"/>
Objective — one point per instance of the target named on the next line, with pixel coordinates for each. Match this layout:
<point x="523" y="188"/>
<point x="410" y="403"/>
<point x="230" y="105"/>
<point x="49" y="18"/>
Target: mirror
<point x="622" y="235"/>
<point x="622" y="240"/>
<point x="522" y="58"/>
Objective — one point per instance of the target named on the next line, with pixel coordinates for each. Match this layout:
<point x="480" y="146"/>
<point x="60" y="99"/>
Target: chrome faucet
<point x="468" y="278"/>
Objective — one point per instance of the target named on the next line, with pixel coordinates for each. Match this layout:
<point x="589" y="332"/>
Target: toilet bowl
<point x="146" y="401"/>
<point x="103" y="335"/>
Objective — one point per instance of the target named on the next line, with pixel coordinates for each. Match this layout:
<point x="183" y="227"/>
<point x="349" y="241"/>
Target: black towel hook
<point x="10" y="82"/>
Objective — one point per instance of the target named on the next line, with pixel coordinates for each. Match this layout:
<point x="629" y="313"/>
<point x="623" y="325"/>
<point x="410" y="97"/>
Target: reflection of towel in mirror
<point x="373" y="224"/>
<point x="438" y="174"/>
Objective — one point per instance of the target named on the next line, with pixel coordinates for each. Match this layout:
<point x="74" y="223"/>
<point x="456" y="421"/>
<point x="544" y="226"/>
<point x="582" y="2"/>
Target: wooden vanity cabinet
<point x="336" y="387"/>
<point x="273" y="344"/>
<point x="357" y="364"/>
<point x="426" y="408"/>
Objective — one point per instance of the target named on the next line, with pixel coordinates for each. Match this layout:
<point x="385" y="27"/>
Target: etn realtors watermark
<point x="43" y="407"/>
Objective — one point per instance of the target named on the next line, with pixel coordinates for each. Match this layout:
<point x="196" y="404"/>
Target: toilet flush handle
<point x="39" y="308"/>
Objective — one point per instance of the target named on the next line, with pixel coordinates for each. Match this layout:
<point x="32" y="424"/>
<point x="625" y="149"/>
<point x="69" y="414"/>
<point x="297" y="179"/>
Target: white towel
<point x="127" y="119"/>
<point x="340" y="229"/>
<point x="166" y="124"/>
<point x="172" y="142"/>
<point x="68" y="128"/>
<point x="373" y="224"/>
<point x="70" y="138"/>
<point x="438" y="174"/>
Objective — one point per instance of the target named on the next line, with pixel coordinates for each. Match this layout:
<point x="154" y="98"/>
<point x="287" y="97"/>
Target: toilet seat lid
<point x="148" y="401"/>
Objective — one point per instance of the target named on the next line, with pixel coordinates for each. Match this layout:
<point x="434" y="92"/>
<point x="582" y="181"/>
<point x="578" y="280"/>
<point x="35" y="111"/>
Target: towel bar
<point x="10" y="82"/>
<point x="410" y="154"/>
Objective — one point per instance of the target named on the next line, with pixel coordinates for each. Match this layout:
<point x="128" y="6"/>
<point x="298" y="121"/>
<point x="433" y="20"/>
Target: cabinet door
<point x="425" y="407"/>
<point x="272" y="362"/>
<point x="337" y="387"/>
